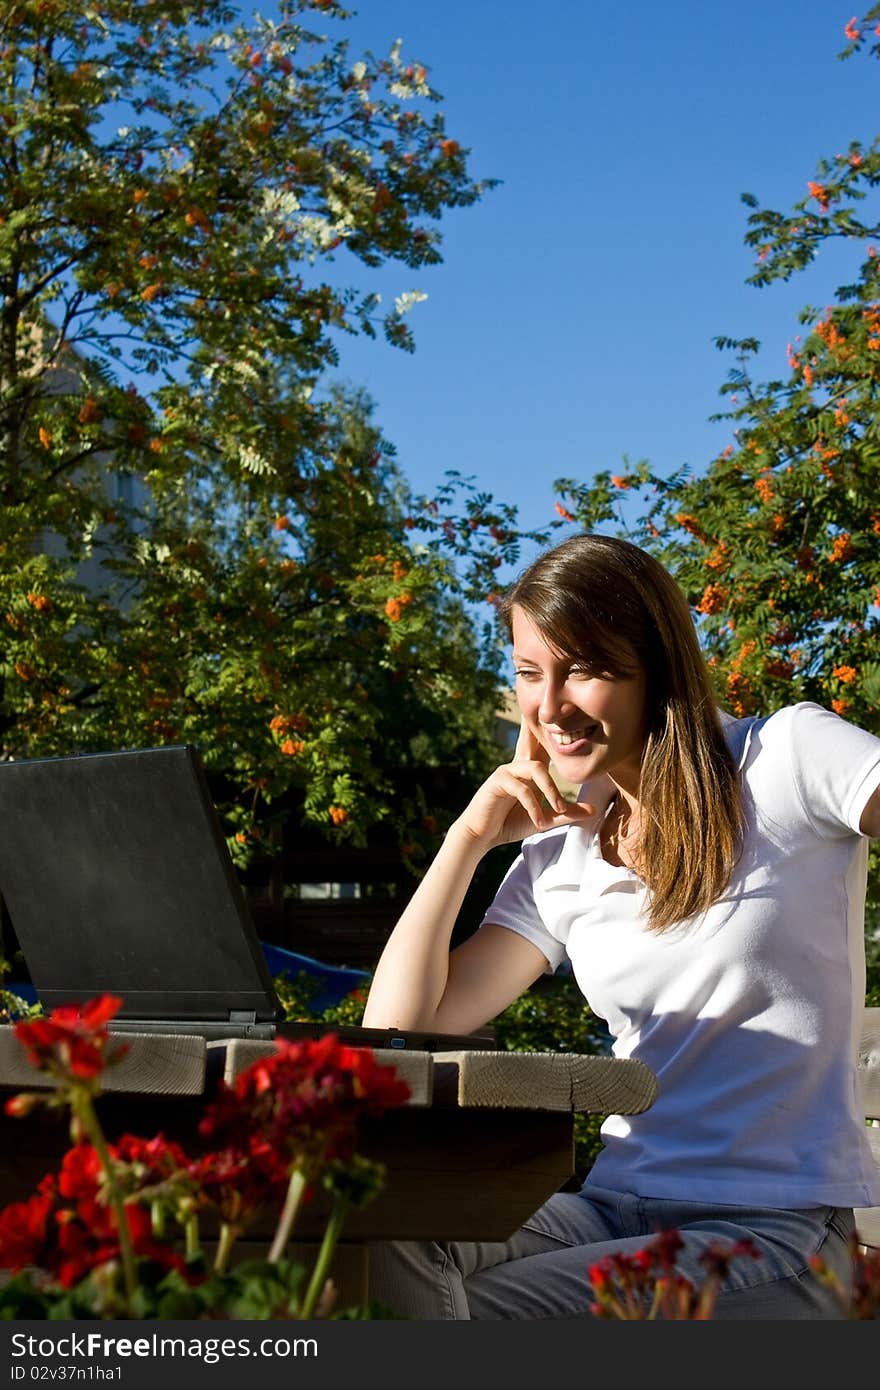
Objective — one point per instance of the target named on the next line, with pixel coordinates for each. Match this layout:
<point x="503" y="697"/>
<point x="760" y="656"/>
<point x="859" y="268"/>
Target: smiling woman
<point x="602" y="633"/>
<point x="707" y="887"/>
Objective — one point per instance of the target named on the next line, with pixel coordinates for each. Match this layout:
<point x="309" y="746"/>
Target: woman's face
<point x="588" y="724"/>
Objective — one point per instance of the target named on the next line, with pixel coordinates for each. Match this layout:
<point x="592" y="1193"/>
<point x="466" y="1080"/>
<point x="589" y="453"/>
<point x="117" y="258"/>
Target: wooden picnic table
<point x="485" y="1138"/>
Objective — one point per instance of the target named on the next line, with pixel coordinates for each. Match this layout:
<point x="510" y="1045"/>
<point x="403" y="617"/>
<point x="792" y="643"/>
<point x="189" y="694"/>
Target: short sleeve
<point x="514" y="905"/>
<point x="836" y="768"/>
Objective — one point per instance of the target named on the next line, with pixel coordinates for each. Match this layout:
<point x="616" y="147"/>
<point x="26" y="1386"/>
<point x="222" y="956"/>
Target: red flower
<point x="664" y="1247"/>
<point x="239" y="1181"/>
<point x="22" y="1104"/>
<point x="600" y="1275"/>
<point x="80" y="1175"/>
<point x="73" y="1042"/>
<point x="306" y="1100"/>
<point x="87" y="1238"/>
<point x="157" y="1157"/>
<point x="68" y="1228"/>
<point x="25" y="1231"/>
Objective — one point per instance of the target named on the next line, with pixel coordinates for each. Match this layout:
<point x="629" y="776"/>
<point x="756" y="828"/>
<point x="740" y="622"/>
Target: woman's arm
<point x="870" y="821"/>
<point x="418" y="984"/>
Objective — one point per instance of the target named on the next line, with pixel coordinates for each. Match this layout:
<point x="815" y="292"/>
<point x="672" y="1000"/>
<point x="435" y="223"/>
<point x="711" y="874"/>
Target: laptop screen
<point x="117" y="879"/>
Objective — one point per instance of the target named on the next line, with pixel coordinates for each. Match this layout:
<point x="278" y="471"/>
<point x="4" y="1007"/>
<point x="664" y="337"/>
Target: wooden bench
<point x="868" y="1218"/>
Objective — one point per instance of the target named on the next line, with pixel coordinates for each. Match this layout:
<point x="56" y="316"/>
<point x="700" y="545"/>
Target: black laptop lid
<point x="117" y="879"/>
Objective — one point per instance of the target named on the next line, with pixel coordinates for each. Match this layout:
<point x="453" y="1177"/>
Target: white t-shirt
<point x="749" y="1014"/>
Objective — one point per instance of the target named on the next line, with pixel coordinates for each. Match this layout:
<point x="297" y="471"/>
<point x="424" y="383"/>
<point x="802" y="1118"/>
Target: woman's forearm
<point x="413" y="970"/>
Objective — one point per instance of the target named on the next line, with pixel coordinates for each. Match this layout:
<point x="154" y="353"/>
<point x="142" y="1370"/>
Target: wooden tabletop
<point x="178" y="1065"/>
<point x="485" y="1138"/>
<point x="547" y="1081"/>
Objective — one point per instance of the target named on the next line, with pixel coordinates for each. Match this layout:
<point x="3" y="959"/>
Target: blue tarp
<point x="335" y="980"/>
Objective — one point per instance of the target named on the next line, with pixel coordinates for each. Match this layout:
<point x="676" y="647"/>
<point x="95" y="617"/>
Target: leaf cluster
<point x="199" y="540"/>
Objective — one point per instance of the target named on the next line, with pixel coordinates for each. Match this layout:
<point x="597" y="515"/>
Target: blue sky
<point x="573" y="318"/>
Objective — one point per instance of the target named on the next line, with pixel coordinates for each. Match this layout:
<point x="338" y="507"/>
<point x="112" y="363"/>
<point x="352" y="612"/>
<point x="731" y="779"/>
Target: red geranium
<point x="306" y="1100"/>
<point x="238" y="1182"/>
<point x="81" y="1172"/>
<point x="285" y="1118"/>
<point x="149" y="1161"/>
<point x="68" y="1228"/>
<point x="88" y="1237"/>
<point x="647" y="1285"/>
<point x="26" y="1231"/>
<point x="73" y="1043"/>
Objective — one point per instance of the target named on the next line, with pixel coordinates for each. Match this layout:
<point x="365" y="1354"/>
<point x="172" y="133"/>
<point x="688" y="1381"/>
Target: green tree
<point x="198" y="539"/>
<point x="776" y="543"/>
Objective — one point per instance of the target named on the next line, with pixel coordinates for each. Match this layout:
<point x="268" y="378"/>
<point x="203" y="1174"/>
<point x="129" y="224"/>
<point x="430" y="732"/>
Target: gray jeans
<point x="542" y="1270"/>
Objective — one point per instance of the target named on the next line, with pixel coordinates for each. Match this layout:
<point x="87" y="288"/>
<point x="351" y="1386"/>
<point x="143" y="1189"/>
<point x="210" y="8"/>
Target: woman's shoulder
<point x="804" y="755"/>
<point x="802" y="717"/>
<point x="769" y="743"/>
<point x="798" y="720"/>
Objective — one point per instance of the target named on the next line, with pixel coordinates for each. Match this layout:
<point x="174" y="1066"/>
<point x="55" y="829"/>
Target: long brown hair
<point x="605" y="601"/>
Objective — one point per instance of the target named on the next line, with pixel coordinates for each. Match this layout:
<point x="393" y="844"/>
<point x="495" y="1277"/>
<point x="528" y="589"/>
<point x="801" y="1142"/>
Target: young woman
<point x="708" y="890"/>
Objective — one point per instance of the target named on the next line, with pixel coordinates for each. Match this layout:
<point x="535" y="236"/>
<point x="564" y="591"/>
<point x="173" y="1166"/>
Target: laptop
<point x="117" y="879"/>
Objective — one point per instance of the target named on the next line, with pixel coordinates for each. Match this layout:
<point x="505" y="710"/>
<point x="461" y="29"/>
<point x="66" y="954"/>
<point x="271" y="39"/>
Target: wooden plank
<point x="611" y="1085"/>
<point x="161" y="1064"/>
<point x="415" y="1068"/>
<point x="867" y="1219"/>
<point x="868" y="1226"/>
<point x="561" y="1081"/>
<point x="869" y="1063"/>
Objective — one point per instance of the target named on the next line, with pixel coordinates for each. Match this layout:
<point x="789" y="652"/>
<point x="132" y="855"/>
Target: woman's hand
<point x="520" y="798"/>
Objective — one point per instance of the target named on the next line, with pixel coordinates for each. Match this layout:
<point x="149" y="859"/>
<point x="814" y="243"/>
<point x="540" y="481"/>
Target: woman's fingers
<point x="539" y="774"/>
<point x="528" y="748"/>
<point x="514" y="781"/>
<point x="520" y="794"/>
<point x="532" y="786"/>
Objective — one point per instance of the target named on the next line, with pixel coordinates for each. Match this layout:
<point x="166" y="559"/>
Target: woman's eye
<point x="528" y="675"/>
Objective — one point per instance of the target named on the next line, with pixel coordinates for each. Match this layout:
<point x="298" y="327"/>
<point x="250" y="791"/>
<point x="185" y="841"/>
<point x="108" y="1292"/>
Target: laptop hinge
<point x="242" y="1015"/>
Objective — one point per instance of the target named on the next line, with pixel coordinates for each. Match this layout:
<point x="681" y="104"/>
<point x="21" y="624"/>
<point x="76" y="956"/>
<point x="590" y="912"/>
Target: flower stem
<point x="157" y="1220"/>
<point x="706" y="1300"/>
<point x="325" y="1255"/>
<point x="224" y="1247"/>
<point x="84" y="1110"/>
<point x="292" y="1203"/>
<point x="191" y="1232"/>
